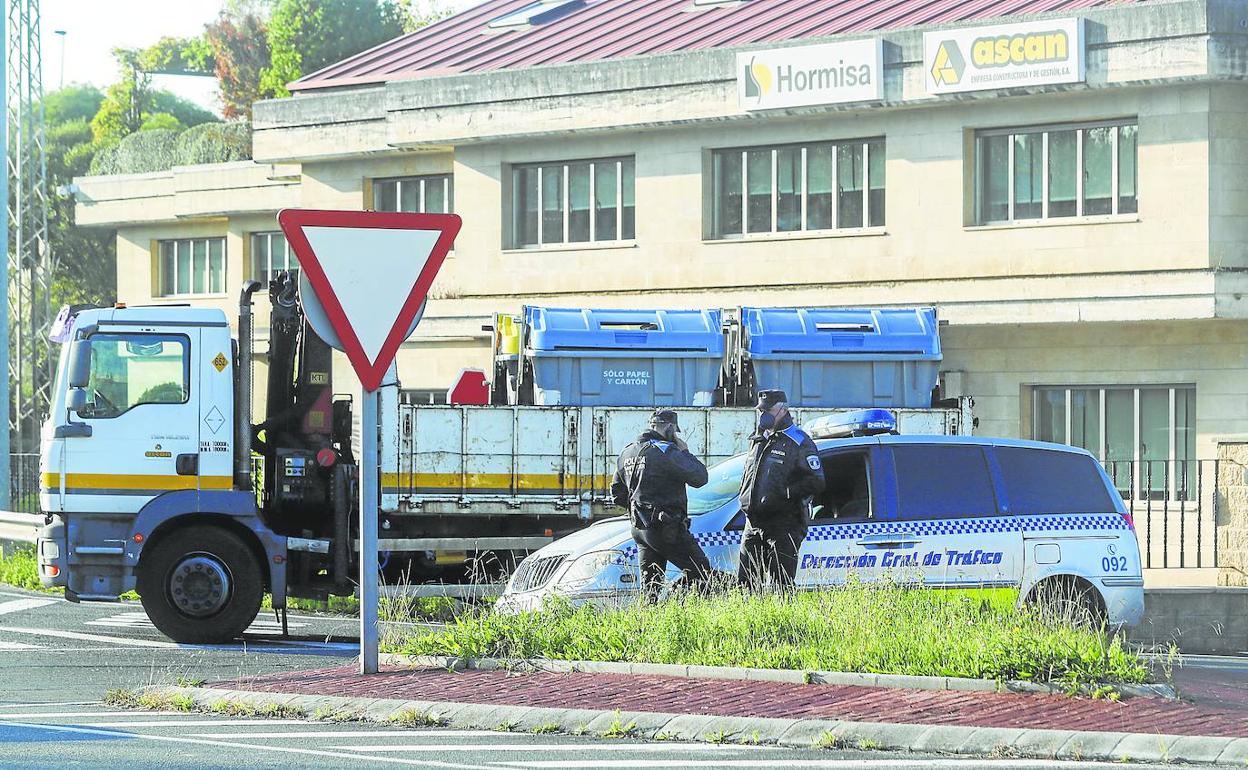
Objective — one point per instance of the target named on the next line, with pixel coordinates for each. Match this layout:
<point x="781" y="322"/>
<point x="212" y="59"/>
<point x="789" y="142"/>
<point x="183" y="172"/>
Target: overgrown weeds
<point x="876" y="628"/>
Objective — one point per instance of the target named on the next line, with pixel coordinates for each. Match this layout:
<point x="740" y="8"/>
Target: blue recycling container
<point x="588" y="357"/>
<point x="844" y="357"/>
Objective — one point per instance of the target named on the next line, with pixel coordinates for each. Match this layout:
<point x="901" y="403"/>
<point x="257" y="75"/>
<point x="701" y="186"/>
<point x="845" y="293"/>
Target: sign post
<point x="369" y="273"/>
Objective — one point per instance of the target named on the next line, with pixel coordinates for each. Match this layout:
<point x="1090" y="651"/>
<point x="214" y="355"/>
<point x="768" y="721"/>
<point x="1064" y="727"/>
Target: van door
<point x="947" y="499"/>
<point x="844" y="542"/>
<point x="144" y="437"/>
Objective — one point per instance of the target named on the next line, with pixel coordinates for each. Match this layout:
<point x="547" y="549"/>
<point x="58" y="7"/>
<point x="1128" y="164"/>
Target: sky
<point x="94" y="27"/>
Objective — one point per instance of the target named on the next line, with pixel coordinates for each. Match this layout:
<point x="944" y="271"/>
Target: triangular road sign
<point x="371" y="271"/>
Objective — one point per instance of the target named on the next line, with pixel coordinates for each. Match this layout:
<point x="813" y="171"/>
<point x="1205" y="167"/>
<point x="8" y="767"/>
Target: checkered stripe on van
<point x="705" y="539"/>
<point x="1077" y="522"/>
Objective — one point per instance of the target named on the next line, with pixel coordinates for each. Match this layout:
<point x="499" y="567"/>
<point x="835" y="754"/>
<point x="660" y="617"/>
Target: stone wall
<point x="1232" y="516"/>
<point x="1200" y="621"/>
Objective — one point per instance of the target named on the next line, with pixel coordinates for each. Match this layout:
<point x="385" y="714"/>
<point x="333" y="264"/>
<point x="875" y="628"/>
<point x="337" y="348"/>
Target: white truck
<point x="155" y="478"/>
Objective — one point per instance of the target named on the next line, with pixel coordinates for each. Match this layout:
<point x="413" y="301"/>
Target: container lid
<point x="841" y="331"/>
<point x="572" y="329"/>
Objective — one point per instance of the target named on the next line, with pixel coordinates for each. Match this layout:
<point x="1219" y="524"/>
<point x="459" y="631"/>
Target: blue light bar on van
<point x="867" y="422"/>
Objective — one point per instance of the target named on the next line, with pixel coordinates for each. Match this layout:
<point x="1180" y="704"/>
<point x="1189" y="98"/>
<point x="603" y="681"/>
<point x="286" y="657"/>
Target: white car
<point x="940" y="511"/>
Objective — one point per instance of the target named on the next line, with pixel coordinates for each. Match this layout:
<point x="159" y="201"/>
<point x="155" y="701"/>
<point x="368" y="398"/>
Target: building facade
<point x="1068" y="188"/>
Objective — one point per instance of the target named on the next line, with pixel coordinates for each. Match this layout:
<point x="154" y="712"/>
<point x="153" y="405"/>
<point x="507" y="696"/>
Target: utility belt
<point x="645" y="516"/>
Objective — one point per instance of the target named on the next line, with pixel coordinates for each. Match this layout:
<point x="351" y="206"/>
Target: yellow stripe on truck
<point x="130" y="481"/>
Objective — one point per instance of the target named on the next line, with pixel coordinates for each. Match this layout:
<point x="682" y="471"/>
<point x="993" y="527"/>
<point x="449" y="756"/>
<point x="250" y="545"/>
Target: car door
<point x="947" y="502"/>
<point x="144" y="426"/>
<point x="840" y="543"/>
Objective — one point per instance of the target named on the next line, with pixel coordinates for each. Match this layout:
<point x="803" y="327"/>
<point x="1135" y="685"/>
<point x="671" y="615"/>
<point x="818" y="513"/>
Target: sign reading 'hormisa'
<point x="813" y="74"/>
<point x="978" y="58"/>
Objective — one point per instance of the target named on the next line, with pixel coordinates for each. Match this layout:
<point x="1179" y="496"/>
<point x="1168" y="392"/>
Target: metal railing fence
<point x="1174" y="506"/>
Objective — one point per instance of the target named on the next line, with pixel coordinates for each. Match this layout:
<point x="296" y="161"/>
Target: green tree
<point x="307" y="35"/>
<point x="86" y="258"/>
<point x="129" y="102"/>
<point x="240" y="49"/>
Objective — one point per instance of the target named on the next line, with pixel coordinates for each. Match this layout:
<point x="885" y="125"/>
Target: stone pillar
<point x="1232" y="519"/>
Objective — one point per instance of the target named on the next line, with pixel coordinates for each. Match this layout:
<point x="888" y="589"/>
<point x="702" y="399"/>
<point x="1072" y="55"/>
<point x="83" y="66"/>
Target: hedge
<point x="162" y="149"/>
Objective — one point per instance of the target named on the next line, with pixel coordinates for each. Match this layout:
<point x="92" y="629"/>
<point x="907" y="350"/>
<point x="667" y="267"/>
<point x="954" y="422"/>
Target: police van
<point x="939" y="511"/>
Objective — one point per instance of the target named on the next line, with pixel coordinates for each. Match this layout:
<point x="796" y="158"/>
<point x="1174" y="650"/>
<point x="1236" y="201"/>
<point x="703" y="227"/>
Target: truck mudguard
<point x="240" y="506"/>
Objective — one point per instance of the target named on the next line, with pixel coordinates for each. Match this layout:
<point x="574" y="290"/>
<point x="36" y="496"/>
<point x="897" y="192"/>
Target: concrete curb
<point x="765" y="675"/>
<point x="797" y="733"/>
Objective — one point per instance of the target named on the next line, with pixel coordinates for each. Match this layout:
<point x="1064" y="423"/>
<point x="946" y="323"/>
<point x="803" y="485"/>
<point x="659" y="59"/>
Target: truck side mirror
<point x="76" y="400"/>
<point x="79" y="364"/>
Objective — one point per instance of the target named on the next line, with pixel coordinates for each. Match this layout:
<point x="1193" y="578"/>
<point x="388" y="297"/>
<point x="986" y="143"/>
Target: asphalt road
<point x="58" y="659"/>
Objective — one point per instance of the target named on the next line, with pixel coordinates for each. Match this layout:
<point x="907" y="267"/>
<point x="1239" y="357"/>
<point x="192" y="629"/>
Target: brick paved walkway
<point x="762" y="699"/>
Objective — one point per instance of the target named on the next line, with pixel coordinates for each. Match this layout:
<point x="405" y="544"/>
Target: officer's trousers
<point x="770" y="552"/>
<point x="672" y="542"/>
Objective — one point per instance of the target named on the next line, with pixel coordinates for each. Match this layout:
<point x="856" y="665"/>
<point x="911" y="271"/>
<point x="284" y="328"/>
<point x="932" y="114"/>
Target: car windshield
<point x="723" y="485"/>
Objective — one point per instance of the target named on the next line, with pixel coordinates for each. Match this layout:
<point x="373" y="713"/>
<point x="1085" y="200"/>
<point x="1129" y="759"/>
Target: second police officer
<point x="650" y="481"/>
<point x="782" y="471"/>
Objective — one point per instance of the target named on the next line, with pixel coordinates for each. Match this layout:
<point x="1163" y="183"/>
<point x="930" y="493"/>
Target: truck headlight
<point x="602" y="567"/>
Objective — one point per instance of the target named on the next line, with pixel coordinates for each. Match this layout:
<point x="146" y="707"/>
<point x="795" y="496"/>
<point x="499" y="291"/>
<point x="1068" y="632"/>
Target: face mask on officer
<point x="771" y="409"/>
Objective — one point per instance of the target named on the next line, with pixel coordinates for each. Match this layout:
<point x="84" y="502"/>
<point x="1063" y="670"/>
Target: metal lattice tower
<point x="31" y="365"/>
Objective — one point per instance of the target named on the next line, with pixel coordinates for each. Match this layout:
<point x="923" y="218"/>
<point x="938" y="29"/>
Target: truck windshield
<point x="723" y="485"/>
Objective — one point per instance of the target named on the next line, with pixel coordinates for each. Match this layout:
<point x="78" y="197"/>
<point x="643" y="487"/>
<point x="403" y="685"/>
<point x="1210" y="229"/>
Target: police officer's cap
<point x="769" y="398"/>
<point x="665" y="417"/>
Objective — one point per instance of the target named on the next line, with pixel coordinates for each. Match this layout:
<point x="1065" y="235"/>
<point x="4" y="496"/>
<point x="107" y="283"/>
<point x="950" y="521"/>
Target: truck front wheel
<point x="200" y="585"/>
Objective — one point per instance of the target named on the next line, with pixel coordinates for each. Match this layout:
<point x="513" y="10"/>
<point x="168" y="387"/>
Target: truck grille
<point x="535" y="573"/>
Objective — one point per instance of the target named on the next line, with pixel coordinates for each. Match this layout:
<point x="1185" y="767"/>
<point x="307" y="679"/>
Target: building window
<point x="270" y="255"/>
<point x="574" y="202"/>
<point x="1145" y="436"/>
<point x="423" y="397"/>
<point x="1056" y="172"/>
<point x="423" y="194"/>
<point x="192" y="266"/>
<point x="823" y="186"/>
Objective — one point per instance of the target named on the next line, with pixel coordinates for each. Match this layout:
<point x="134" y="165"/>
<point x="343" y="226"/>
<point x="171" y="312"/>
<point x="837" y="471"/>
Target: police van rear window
<point x="1047" y="481"/>
<point x="943" y="481"/>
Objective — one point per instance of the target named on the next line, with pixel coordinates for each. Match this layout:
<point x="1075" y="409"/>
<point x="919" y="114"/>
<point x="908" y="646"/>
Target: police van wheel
<point x="201" y="585"/>
<point x="1069" y="600"/>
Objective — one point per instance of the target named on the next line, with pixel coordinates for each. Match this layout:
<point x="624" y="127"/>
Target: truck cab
<point x="139" y="473"/>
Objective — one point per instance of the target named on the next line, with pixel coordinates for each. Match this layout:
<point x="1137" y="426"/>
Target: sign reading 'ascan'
<point x="1007" y="56"/>
<point x="810" y="75"/>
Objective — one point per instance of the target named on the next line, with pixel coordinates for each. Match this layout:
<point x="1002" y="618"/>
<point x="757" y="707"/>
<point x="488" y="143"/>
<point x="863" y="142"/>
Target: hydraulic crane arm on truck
<point x="148" y="484"/>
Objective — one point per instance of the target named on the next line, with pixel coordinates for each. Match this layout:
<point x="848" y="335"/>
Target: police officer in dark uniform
<point x="782" y="473"/>
<point x="650" y="481"/>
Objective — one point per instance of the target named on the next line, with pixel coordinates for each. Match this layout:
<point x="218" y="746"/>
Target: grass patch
<point x="149" y="701"/>
<point x="20" y="568"/>
<point x="546" y="728"/>
<point x="884" y="629"/>
<point x="417" y="718"/>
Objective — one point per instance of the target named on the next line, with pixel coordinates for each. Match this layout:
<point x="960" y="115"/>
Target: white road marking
<point x="830" y="764"/>
<point x="92" y="637"/>
<point x="191" y="723"/>
<point x="17" y="647"/>
<point x="651" y="747"/>
<point x="398" y="731"/>
<point x="97" y="714"/>
<point x="24" y="604"/>
<point x="256" y="646"/>
<point x="268" y="748"/>
<point x="140" y="620"/>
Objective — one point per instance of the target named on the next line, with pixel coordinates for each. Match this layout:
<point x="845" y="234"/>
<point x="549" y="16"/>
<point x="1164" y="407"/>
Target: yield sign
<point x="371" y="271"/>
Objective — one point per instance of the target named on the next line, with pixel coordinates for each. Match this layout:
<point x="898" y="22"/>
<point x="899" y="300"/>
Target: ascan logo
<point x="1029" y="48"/>
<point x="948" y="66"/>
